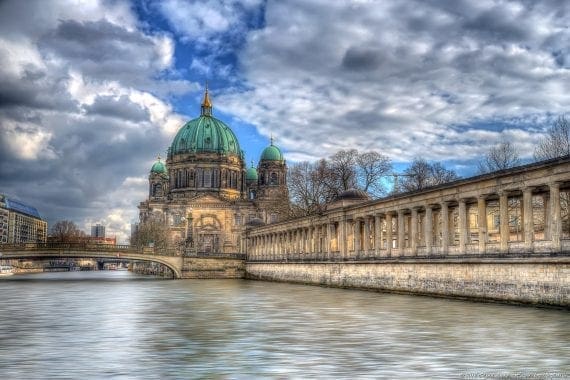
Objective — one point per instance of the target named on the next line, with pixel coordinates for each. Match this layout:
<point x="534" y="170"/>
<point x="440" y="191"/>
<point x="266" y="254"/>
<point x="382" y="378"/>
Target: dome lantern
<point x="206" y="107"/>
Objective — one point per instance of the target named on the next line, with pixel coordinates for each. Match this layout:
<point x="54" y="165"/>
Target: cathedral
<point x="205" y="193"/>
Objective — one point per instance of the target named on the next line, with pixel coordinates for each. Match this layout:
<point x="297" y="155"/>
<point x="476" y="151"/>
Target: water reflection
<point x="115" y="324"/>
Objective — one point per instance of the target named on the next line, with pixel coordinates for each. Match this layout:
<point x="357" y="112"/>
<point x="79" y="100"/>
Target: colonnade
<point x="523" y="219"/>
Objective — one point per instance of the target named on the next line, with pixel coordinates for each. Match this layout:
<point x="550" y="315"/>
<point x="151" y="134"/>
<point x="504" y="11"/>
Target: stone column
<point x="330" y="229"/>
<point x="389" y="234"/>
<point x="413" y="237"/>
<point x="401" y="237"/>
<point x="462" y="226"/>
<point x="555" y="217"/>
<point x="377" y="235"/>
<point x="343" y="244"/>
<point x="482" y="222"/>
<point x="366" y="235"/>
<point x="546" y="211"/>
<point x="428" y="230"/>
<point x="444" y="228"/>
<point x="527" y="219"/>
<point x="356" y="233"/>
<point x="504" y="221"/>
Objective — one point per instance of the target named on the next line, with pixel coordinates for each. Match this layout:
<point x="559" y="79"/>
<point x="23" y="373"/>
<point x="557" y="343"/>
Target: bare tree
<point x="313" y="185"/>
<point x="371" y="167"/>
<point x="66" y="231"/>
<point x="499" y="157"/>
<point x="557" y="141"/>
<point x="343" y="169"/>
<point x="439" y="174"/>
<point x="309" y="187"/>
<point x="151" y="231"/>
<point x="422" y="174"/>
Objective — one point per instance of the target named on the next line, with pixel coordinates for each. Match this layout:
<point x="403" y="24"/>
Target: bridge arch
<point x="69" y="251"/>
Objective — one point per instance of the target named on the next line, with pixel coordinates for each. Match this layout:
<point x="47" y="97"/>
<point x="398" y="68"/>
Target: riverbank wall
<point x="522" y="280"/>
<point x="213" y="268"/>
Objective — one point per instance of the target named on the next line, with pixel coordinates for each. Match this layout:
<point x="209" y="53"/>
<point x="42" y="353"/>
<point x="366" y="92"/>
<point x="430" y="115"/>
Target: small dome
<point x="158" y="167"/>
<point x="272" y="153"/>
<point x="251" y="174"/>
<point x="352" y="195"/>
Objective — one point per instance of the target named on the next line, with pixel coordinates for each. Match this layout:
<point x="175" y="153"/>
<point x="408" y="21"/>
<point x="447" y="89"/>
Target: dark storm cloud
<point x="119" y="107"/>
<point x="362" y="59"/>
<point x="103" y="50"/>
<point x="78" y="126"/>
<point x="34" y="89"/>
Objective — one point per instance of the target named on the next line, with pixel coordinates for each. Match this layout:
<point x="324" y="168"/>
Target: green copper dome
<point x="205" y="134"/>
<point x="251" y="174"/>
<point x="272" y="153"/>
<point x="158" y="167"/>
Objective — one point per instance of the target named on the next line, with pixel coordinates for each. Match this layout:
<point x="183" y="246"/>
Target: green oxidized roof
<point x="158" y="167"/>
<point x="272" y="153"/>
<point x="251" y="174"/>
<point x="205" y="134"/>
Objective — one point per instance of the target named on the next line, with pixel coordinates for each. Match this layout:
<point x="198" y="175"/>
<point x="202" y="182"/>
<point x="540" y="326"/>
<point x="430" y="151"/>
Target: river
<point x="91" y="325"/>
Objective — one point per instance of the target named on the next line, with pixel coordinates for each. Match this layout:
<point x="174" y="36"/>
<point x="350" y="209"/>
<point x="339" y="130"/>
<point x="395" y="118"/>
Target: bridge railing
<point x="69" y="246"/>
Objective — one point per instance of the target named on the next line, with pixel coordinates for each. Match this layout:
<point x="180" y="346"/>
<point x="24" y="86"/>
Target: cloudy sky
<point x="91" y="91"/>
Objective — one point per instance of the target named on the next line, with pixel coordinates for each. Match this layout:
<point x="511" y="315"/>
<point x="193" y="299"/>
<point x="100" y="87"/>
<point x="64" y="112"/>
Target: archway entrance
<point x="208" y="234"/>
<point x="209" y="242"/>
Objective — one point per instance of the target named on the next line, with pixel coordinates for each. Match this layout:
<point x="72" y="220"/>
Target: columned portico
<point x="498" y="214"/>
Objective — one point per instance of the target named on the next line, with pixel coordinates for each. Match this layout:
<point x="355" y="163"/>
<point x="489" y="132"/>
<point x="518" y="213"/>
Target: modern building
<point x="98" y="231"/>
<point x="205" y="193"/>
<point x="20" y="223"/>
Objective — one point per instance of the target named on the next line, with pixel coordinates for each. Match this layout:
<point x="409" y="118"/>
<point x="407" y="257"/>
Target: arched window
<point x="157" y="190"/>
<point x="252" y="194"/>
<point x="274" y="180"/>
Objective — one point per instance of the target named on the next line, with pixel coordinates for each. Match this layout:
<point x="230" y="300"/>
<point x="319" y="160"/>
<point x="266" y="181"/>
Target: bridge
<point x="46" y="251"/>
<point x="187" y="265"/>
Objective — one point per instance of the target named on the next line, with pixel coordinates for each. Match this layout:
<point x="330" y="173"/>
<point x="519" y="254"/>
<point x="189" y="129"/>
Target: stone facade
<point x="202" y="193"/>
<point x="523" y="280"/>
<point x="435" y="241"/>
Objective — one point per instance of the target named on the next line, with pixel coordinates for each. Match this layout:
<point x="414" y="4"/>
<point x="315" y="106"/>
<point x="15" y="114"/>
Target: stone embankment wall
<point x="213" y="268"/>
<point x="530" y="281"/>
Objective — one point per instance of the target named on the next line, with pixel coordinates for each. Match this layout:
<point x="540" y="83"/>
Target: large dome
<point x="205" y="134"/>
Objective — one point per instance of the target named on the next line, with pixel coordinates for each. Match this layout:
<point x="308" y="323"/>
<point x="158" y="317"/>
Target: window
<point x="208" y="178"/>
<point x="157" y="190"/>
<point x="273" y="179"/>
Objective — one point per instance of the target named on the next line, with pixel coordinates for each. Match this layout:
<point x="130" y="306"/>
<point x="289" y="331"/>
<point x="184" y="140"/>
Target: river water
<point x="90" y="325"/>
